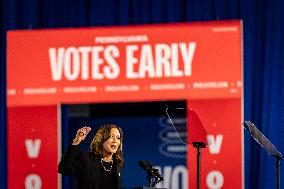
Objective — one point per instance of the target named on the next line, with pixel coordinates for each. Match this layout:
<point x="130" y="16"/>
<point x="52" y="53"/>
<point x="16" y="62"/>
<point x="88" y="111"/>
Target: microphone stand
<point x="278" y="158"/>
<point x="153" y="180"/>
<point x="149" y="178"/>
<point x="198" y="146"/>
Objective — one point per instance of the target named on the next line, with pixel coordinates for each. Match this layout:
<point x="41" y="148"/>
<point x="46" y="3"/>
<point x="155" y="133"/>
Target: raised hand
<point x="81" y="135"/>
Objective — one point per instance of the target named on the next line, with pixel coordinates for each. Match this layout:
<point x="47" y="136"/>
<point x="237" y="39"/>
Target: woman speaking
<point x="101" y="167"/>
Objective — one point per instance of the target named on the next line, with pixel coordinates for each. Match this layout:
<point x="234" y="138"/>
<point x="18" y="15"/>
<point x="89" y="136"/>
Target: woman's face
<point x="112" y="144"/>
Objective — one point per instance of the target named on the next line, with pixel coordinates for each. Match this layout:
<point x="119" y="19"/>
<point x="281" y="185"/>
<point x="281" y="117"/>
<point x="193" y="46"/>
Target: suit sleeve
<point x="70" y="163"/>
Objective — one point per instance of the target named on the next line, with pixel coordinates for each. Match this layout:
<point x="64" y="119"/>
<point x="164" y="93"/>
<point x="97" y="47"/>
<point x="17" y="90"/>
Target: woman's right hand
<point x="81" y="135"/>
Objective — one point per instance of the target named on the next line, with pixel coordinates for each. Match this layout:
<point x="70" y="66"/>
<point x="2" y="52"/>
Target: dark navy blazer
<point x="86" y="168"/>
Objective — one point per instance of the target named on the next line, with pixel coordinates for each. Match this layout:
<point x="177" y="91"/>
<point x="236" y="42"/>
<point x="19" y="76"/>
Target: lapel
<point x="96" y="171"/>
<point x="118" y="173"/>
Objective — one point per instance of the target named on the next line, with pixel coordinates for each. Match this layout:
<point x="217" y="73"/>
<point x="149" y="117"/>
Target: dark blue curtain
<point x="263" y="50"/>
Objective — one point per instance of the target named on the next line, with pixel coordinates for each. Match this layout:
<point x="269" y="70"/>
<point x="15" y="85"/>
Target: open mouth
<point x="113" y="146"/>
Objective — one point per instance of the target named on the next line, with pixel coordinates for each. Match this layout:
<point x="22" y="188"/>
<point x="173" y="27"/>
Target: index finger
<point x="87" y="129"/>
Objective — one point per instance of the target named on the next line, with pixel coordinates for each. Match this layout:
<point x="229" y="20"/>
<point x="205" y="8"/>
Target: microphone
<point x="148" y="167"/>
<point x="156" y="172"/>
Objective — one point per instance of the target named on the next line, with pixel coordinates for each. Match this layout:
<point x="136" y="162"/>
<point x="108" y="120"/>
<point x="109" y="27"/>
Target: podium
<point x="146" y="187"/>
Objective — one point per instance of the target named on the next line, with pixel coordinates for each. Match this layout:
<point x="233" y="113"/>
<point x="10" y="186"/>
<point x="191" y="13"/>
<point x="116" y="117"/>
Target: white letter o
<point x="215" y="180"/>
<point x="33" y="181"/>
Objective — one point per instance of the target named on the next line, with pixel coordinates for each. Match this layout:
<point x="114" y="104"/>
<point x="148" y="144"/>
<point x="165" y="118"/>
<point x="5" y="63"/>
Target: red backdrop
<point x="201" y="62"/>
